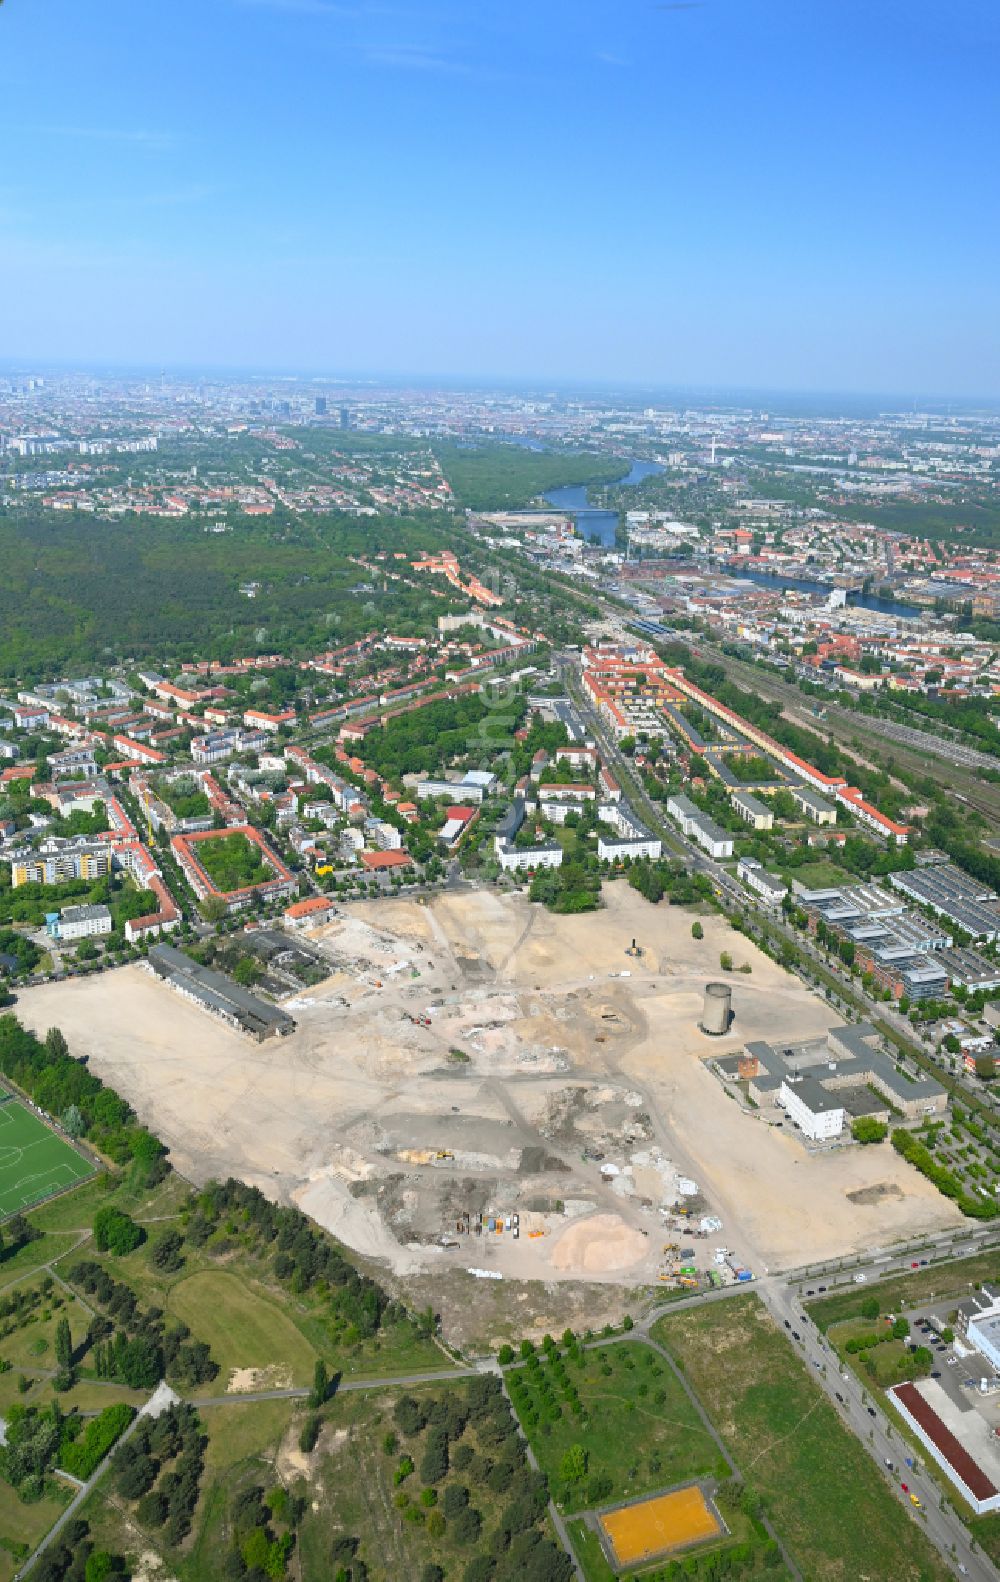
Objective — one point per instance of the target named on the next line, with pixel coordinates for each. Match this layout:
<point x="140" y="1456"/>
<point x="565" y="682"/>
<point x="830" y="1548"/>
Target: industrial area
<point x="479" y="1084"/>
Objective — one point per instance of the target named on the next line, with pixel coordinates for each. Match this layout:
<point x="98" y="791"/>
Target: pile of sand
<point x="602" y="1244"/>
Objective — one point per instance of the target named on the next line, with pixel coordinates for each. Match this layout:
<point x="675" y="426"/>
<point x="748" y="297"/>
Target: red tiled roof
<point x="385" y="859"/>
<point x="313" y="903"/>
<point x="970" y="1472"/>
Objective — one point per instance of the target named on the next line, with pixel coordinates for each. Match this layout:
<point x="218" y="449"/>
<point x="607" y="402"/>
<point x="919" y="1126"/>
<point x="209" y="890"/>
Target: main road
<point x="780" y="1292"/>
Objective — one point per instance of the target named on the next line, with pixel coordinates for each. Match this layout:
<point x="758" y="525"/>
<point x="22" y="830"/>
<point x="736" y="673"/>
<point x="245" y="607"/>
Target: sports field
<point x="34" y="1162"/>
<point x="654" y="1527"/>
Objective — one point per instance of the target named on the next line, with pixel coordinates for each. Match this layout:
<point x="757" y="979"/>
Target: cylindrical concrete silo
<point x="717" y="1011"/>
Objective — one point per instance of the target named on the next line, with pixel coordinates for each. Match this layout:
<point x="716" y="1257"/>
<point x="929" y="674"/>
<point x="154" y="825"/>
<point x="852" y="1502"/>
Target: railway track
<point x="848" y="729"/>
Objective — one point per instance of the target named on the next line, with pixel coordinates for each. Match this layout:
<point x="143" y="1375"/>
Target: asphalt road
<point x="943" y="1527"/>
<point x="863" y="1415"/>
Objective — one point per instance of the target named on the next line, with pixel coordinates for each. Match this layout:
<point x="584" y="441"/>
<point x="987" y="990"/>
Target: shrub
<point x="115" y="1231"/>
<point x="79" y="1456"/>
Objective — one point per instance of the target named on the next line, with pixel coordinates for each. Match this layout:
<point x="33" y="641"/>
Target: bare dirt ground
<point x="478" y="1055"/>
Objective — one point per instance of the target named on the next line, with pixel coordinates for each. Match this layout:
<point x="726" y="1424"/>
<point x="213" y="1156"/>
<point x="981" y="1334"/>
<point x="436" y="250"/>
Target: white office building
<point x="79" y="922"/>
<point x="818" y="1114"/>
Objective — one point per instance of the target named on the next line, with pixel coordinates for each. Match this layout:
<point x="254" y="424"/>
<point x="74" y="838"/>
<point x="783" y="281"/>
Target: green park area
<point x="184" y="796"/>
<point x="34" y="1161"/>
<point x="818" y="1485"/>
<point x="609" y="1422"/>
<point x="232" y="862"/>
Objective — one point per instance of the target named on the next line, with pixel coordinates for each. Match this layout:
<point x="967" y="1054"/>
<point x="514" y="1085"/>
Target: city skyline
<point x="717" y="195"/>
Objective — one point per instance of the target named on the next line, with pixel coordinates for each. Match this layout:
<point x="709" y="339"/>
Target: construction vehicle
<point x="633" y="950"/>
<point x="444" y="1153"/>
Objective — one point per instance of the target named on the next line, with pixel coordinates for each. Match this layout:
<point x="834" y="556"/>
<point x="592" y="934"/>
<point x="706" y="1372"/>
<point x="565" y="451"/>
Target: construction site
<point x="477" y="1084"/>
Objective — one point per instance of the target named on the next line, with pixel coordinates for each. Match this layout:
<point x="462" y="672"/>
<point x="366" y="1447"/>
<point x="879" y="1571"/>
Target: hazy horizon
<point x="729" y="194"/>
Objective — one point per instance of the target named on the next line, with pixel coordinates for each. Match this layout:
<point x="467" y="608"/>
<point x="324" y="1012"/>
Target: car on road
<point x="788" y="1323"/>
<point x="822" y="1288"/>
<point x="840" y="1398"/>
<point x="905" y="1488"/>
<point x="923" y="1263"/>
<point x="916" y="1502"/>
<point x="859" y="1279"/>
<point x="914" y="1264"/>
<point x="810" y="1293"/>
<point x="870" y="1410"/>
<point x="796" y="1335"/>
<point x="936" y="1373"/>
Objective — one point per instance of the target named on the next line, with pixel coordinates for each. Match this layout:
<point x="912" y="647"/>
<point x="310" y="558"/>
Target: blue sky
<point x="771" y="193"/>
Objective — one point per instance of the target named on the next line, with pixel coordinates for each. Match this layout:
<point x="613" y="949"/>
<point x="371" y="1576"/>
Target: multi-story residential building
<point x="526" y="859"/>
<point x="78" y="922"/>
<point x="771" y="890"/>
<point x="59" y="858"/>
<point x="700" y="827"/>
<point x="632" y="838"/>
<point x="755" y="812"/>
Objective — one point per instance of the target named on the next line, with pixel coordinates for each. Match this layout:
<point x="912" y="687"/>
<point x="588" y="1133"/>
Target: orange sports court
<point x="653" y="1527"/>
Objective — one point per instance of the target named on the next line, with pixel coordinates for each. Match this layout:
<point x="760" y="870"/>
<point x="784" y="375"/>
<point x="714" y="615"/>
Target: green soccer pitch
<point x="34" y="1161"/>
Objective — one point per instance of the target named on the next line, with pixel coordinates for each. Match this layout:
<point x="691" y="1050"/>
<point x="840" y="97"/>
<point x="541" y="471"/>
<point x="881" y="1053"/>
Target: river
<point x="593" y="523"/>
<point x="867" y="601"/>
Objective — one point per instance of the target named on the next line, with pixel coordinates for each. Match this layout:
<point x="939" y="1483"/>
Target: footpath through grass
<point x="34" y="1161"/>
<point x="819" y="1485"/>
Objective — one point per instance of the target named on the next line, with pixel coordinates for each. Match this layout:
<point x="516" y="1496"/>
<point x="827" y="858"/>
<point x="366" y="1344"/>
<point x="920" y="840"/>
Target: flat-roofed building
<point x="700" y="827"/>
<point x="817" y="1113"/>
<point x="753" y="811"/>
<point x="813" y="805"/>
<point x="755" y="876"/>
<point x="219" y="994"/>
<point x="59" y="858"/>
<point x="631" y="838"/>
<point x="525" y="859"/>
<point x="79" y="922"/>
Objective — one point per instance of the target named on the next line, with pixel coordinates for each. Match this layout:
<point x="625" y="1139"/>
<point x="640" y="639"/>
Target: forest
<point x="74" y="595"/>
<point x="505" y="477"/>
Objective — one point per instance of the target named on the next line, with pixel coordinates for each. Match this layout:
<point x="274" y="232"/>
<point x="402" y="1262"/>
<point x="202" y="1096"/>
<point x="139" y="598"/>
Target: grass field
<point x="243" y="1328"/>
<point x="640" y="1429"/>
<point x="824" y="1494"/>
<point x="34" y="1162"/>
<point x="26" y="1524"/>
<point x="819" y="875"/>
